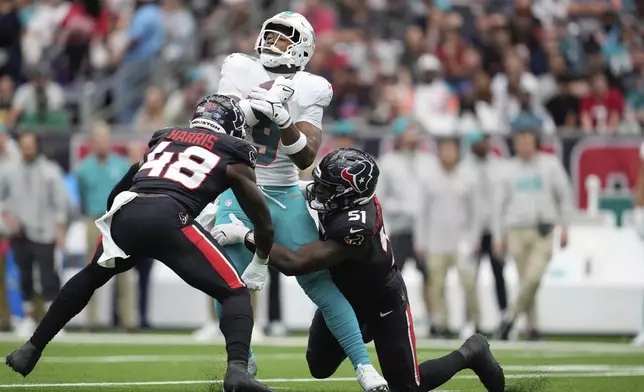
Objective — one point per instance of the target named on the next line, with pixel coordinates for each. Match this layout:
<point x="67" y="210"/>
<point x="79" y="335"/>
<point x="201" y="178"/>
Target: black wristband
<point x="249" y="241"/>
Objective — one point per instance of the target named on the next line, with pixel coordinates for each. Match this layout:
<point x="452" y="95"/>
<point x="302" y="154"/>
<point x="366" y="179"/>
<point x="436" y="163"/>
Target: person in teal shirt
<point x="96" y="175"/>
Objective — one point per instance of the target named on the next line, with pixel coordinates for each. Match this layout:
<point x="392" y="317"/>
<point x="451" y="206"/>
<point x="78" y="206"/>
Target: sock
<point x="219" y="311"/>
<point x="338" y="315"/>
<point x="71" y="299"/>
<point x="436" y="372"/>
<point x="236" y="323"/>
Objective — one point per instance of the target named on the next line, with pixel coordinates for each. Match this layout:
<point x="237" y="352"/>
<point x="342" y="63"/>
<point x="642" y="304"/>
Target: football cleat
<point x="479" y="358"/>
<point x="24" y="359"/>
<point x="370" y="380"/>
<point x="238" y="380"/>
<point x="252" y="366"/>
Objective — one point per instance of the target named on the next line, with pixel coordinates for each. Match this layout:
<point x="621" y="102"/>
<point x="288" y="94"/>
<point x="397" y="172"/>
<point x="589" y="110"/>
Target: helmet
<point x="295" y="28"/>
<point x="344" y="178"/>
<point x="220" y="113"/>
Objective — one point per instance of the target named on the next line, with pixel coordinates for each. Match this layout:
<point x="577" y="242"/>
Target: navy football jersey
<point x="373" y="269"/>
<point x="189" y="164"/>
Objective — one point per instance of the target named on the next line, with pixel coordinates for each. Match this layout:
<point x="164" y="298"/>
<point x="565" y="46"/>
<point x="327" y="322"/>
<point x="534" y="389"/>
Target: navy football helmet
<point x="344" y="178"/>
<point x="220" y="113"/>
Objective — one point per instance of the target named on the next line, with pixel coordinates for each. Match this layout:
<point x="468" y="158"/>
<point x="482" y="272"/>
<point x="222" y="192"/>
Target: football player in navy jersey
<point x="151" y="214"/>
<point x="355" y="248"/>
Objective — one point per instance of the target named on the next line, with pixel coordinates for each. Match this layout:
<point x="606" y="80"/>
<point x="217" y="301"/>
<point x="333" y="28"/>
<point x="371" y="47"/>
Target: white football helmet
<point x="295" y="28"/>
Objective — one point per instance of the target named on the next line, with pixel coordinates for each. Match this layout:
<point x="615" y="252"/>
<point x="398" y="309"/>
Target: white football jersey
<point x="239" y="74"/>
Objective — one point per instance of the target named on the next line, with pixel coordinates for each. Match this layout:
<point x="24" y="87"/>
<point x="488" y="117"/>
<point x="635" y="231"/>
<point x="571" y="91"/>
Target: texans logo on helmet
<point x="358" y="176"/>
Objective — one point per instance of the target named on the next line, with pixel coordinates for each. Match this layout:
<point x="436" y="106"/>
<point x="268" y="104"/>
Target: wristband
<point x="259" y="260"/>
<point x="249" y="241"/>
<point x="251" y="120"/>
<point x="295" y="147"/>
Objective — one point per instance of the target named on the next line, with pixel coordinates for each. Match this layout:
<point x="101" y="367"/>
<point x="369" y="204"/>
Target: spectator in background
<point x="41" y="36"/>
<point x="564" y="106"/>
<point x="533" y="196"/>
<point x="86" y="20"/>
<point x="181" y="103"/>
<point x="529" y="113"/>
<point x="6" y="97"/>
<point x="505" y="85"/>
<point x="321" y="17"/>
<point x="140" y="58"/>
<point x="349" y="98"/>
<point x="435" y="106"/>
<point x="40" y="101"/>
<point x="477" y="110"/>
<point x="9" y="154"/>
<point x="399" y="192"/>
<point x="455" y="55"/>
<point x="151" y="115"/>
<point x="603" y="109"/>
<point x="488" y="171"/>
<point x="96" y="175"/>
<point x="447" y="232"/>
<point x="180" y="27"/>
<point x="34" y="206"/>
<point x="10" y="41"/>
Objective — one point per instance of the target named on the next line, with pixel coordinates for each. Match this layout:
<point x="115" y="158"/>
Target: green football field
<point x="111" y="362"/>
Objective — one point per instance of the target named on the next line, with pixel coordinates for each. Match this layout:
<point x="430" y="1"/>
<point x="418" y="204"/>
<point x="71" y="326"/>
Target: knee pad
<point x="316" y="365"/>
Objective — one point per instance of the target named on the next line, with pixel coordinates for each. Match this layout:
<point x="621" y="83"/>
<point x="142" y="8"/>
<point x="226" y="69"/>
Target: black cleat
<point x="24" y="359"/>
<point x="238" y="380"/>
<point x="480" y="359"/>
<point x="503" y="333"/>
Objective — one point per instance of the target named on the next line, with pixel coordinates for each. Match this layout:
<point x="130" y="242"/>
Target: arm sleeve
<point x="60" y="196"/>
<point x="123" y="185"/>
<point x="563" y="193"/>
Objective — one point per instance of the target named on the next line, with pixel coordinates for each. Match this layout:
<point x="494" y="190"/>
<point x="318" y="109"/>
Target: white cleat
<point x="370" y="380"/>
<point x="209" y="332"/>
<point x="25" y="328"/>
<point x="639" y="340"/>
<point x="258" y="334"/>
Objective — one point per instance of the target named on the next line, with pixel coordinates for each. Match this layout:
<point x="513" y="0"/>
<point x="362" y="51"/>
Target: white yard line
<point x="187" y="340"/>
<point x="639" y="373"/>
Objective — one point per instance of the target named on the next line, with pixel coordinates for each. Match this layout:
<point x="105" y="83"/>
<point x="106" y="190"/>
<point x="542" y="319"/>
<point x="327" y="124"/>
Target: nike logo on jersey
<point x="385" y="314"/>
<point x="352" y="231"/>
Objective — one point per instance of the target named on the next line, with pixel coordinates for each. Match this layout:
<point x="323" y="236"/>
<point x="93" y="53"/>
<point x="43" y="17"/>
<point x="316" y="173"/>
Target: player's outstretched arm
<point x="314" y="256"/>
<point x="242" y="181"/>
<point x="124" y="184"/>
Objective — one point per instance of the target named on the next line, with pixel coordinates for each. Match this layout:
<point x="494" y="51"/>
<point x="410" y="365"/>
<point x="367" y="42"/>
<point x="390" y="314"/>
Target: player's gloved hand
<point x="275" y="111"/>
<point x="281" y="91"/>
<point x="230" y="233"/>
<point x="256" y="274"/>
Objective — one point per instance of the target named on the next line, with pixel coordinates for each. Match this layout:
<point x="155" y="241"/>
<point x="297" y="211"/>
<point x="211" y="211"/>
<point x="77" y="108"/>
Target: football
<point x="264" y="121"/>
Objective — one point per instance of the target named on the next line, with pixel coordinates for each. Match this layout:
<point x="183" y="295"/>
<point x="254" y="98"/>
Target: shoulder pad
<point x="158" y="136"/>
<point x="239" y="151"/>
<point x="235" y="60"/>
<point x="314" y="90"/>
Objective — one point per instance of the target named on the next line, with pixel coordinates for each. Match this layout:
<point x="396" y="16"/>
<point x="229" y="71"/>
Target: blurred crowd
<point x="454" y="66"/>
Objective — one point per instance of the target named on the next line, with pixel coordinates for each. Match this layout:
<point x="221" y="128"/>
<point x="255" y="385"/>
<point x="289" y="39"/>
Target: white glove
<point x="230" y="233"/>
<point x="281" y="91"/>
<point x="275" y="111"/>
<point x="256" y="274"/>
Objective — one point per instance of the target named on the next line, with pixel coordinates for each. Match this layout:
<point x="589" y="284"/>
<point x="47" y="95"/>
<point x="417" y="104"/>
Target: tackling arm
<point x="314" y="256"/>
<point x="242" y="181"/>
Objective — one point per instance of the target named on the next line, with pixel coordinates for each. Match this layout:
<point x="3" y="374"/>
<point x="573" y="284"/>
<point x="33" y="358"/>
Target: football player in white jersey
<point x="638" y="217"/>
<point x="286" y="122"/>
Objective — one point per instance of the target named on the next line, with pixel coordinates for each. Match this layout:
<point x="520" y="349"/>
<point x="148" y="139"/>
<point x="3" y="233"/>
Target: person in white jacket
<point x="447" y="232"/>
<point x="638" y="215"/>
